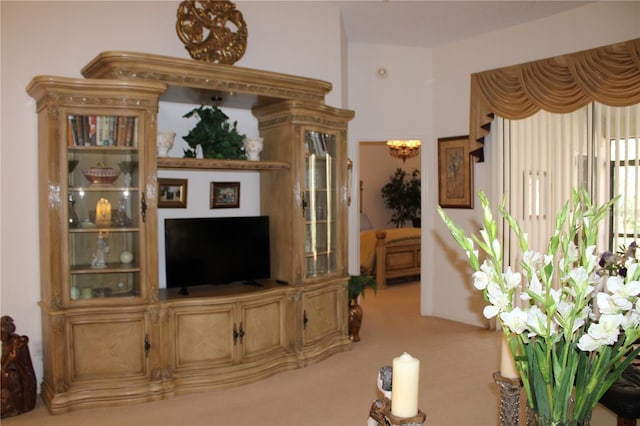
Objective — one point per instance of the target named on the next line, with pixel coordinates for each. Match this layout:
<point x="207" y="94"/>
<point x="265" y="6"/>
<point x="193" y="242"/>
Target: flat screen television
<point x="216" y="251"/>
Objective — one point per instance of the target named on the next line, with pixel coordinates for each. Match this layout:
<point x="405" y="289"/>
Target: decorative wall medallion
<point x="212" y="31"/>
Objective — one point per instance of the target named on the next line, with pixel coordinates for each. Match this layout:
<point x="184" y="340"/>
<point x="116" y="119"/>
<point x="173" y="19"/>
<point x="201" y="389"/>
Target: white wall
<point x="60" y="37"/>
<point x="579" y="29"/>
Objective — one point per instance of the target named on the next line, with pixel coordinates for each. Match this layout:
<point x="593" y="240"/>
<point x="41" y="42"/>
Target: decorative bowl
<point x="101" y="175"/>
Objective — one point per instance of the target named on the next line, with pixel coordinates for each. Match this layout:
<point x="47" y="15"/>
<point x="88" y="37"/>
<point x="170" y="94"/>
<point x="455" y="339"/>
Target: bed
<point x="390" y="254"/>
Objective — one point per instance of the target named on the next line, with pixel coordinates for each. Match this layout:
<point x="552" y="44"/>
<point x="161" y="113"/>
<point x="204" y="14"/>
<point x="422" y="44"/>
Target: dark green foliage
<point x="359" y="283"/>
<point x="402" y="195"/>
<point x="213" y="132"/>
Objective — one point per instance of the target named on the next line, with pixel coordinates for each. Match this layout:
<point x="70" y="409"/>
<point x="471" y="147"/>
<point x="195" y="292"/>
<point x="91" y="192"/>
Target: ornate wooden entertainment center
<point x="110" y="335"/>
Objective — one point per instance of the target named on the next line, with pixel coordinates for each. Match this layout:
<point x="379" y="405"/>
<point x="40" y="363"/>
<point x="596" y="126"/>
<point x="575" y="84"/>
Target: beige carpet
<point x="456" y="384"/>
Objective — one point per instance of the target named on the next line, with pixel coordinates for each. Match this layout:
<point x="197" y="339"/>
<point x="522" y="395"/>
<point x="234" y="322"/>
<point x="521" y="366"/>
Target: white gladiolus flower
<point x="535" y="286"/>
<point x="480" y="280"/>
<point x="607" y="329"/>
<point x="537" y="322"/>
<point x="482" y="277"/>
<point x="512" y="279"/>
<point x="499" y="300"/>
<point x="606" y="304"/>
<point x="515" y="320"/>
<point x="490" y="311"/>
<point x="631" y="318"/>
<point x="617" y="286"/>
<point x="589" y="344"/>
<point x="497" y="248"/>
<point x="532" y="258"/>
<point x="579" y="276"/>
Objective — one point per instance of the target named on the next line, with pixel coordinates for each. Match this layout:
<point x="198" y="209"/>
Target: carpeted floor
<point x="456" y="384"/>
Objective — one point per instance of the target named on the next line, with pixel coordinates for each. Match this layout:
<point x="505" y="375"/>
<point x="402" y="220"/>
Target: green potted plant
<point x="357" y="286"/>
<point x="213" y="132"/>
<point x="402" y="195"/>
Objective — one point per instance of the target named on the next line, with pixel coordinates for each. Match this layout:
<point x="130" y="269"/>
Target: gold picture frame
<point x="455" y="173"/>
<point x="172" y="193"/>
<point x="225" y="195"/>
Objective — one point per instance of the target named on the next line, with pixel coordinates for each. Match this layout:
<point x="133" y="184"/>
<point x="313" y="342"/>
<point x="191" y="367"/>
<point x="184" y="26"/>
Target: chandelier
<point x="404" y="148"/>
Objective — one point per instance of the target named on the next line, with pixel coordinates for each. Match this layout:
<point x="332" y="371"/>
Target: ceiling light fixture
<point x="404" y="148"/>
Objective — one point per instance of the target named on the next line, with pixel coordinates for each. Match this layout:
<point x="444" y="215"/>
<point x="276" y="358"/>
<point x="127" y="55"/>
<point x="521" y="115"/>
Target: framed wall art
<point x="172" y="193"/>
<point x="455" y="173"/>
<point x="225" y="195"/>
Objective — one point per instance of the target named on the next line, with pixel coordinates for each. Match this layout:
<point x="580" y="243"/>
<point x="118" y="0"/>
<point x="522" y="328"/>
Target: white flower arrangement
<point x="567" y="353"/>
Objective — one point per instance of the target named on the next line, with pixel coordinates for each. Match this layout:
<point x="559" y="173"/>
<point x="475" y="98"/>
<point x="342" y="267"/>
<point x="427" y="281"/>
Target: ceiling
<point x="428" y="24"/>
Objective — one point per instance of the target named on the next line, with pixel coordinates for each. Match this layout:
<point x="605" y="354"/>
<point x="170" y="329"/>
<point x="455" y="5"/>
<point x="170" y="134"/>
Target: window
<point x="540" y="159"/>
<point x="625" y="173"/>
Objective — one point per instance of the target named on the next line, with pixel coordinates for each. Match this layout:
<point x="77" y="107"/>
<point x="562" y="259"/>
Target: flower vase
<point x="535" y="419"/>
<point x="165" y="142"/>
<point x="253" y="148"/>
<point x="355" y="319"/>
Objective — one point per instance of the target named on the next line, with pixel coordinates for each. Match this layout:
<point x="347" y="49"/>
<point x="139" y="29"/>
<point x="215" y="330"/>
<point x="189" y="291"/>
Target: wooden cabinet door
<point x="107" y="347"/>
<point x="202" y="336"/>
<point x="262" y="323"/>
<point x="323" y="316"/>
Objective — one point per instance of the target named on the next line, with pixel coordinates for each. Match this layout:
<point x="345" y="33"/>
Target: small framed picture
<point x="225" y="195"/>
<point x="455" y="173"/>
<point x="172" y="193"/>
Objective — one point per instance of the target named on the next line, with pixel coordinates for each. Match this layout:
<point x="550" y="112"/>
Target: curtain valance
<point x="609" y="75"/>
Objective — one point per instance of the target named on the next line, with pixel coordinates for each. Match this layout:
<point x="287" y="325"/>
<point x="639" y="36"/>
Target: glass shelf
<point x="104" y="200"/>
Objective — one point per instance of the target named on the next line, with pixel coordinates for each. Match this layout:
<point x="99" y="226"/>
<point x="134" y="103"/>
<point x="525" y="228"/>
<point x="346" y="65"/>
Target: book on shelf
<point x="79" y="122"/>
<point x="120" y="128"/>
<point x="93" y="127"/>
<point x="72" y="131"/>
<point x="85" y="130"/>
<point x="130" y="131"/>
<point x="102" y="130"/>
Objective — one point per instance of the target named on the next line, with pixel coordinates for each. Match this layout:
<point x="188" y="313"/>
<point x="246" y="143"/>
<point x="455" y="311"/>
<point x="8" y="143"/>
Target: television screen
<point x="215" y="251"/>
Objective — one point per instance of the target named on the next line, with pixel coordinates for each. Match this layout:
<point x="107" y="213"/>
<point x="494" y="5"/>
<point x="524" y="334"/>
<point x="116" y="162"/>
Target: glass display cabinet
<point x="320" y="203"/>
<point x="310" y="217"/>
<point x="97" y="155"/>
<point x="98" y="242"/>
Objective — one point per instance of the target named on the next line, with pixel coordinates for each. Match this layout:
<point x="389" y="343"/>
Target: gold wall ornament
<point x="212" y="31"/>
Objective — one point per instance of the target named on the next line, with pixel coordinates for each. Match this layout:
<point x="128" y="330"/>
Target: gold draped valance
<point x="609" y="75"/>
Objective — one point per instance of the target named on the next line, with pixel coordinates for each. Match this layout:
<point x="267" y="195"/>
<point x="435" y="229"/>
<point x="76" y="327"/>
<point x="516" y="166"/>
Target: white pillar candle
<point x="507" y="363"/>
<point x="404" y="386"/>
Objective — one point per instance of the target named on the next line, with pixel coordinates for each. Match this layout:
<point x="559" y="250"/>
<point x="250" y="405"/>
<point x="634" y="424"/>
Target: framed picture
<point x="455" y="180"/>
<point x="225" y="195"/>
<point x="172" y="193"/>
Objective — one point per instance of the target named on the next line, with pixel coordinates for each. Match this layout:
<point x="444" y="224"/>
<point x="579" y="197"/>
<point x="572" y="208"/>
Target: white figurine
<point x="100" y="258"/>
<point x="382" y="405"/>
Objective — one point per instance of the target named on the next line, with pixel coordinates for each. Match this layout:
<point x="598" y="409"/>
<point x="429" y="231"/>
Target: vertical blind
<point x="544" y="157"/>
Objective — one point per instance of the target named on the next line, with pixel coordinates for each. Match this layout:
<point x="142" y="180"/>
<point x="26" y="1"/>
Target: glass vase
<point x="535" y="419"/>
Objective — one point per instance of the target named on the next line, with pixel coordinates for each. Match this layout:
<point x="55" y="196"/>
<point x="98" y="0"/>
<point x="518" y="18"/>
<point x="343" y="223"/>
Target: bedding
<point x="390" y="253"/>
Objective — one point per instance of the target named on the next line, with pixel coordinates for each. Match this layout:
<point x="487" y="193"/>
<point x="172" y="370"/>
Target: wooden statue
<point x="18" y="376"/>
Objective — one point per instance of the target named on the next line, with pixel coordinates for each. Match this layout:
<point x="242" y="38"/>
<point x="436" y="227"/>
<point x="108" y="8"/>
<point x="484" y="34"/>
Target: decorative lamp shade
<point x="404" y="148"/>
